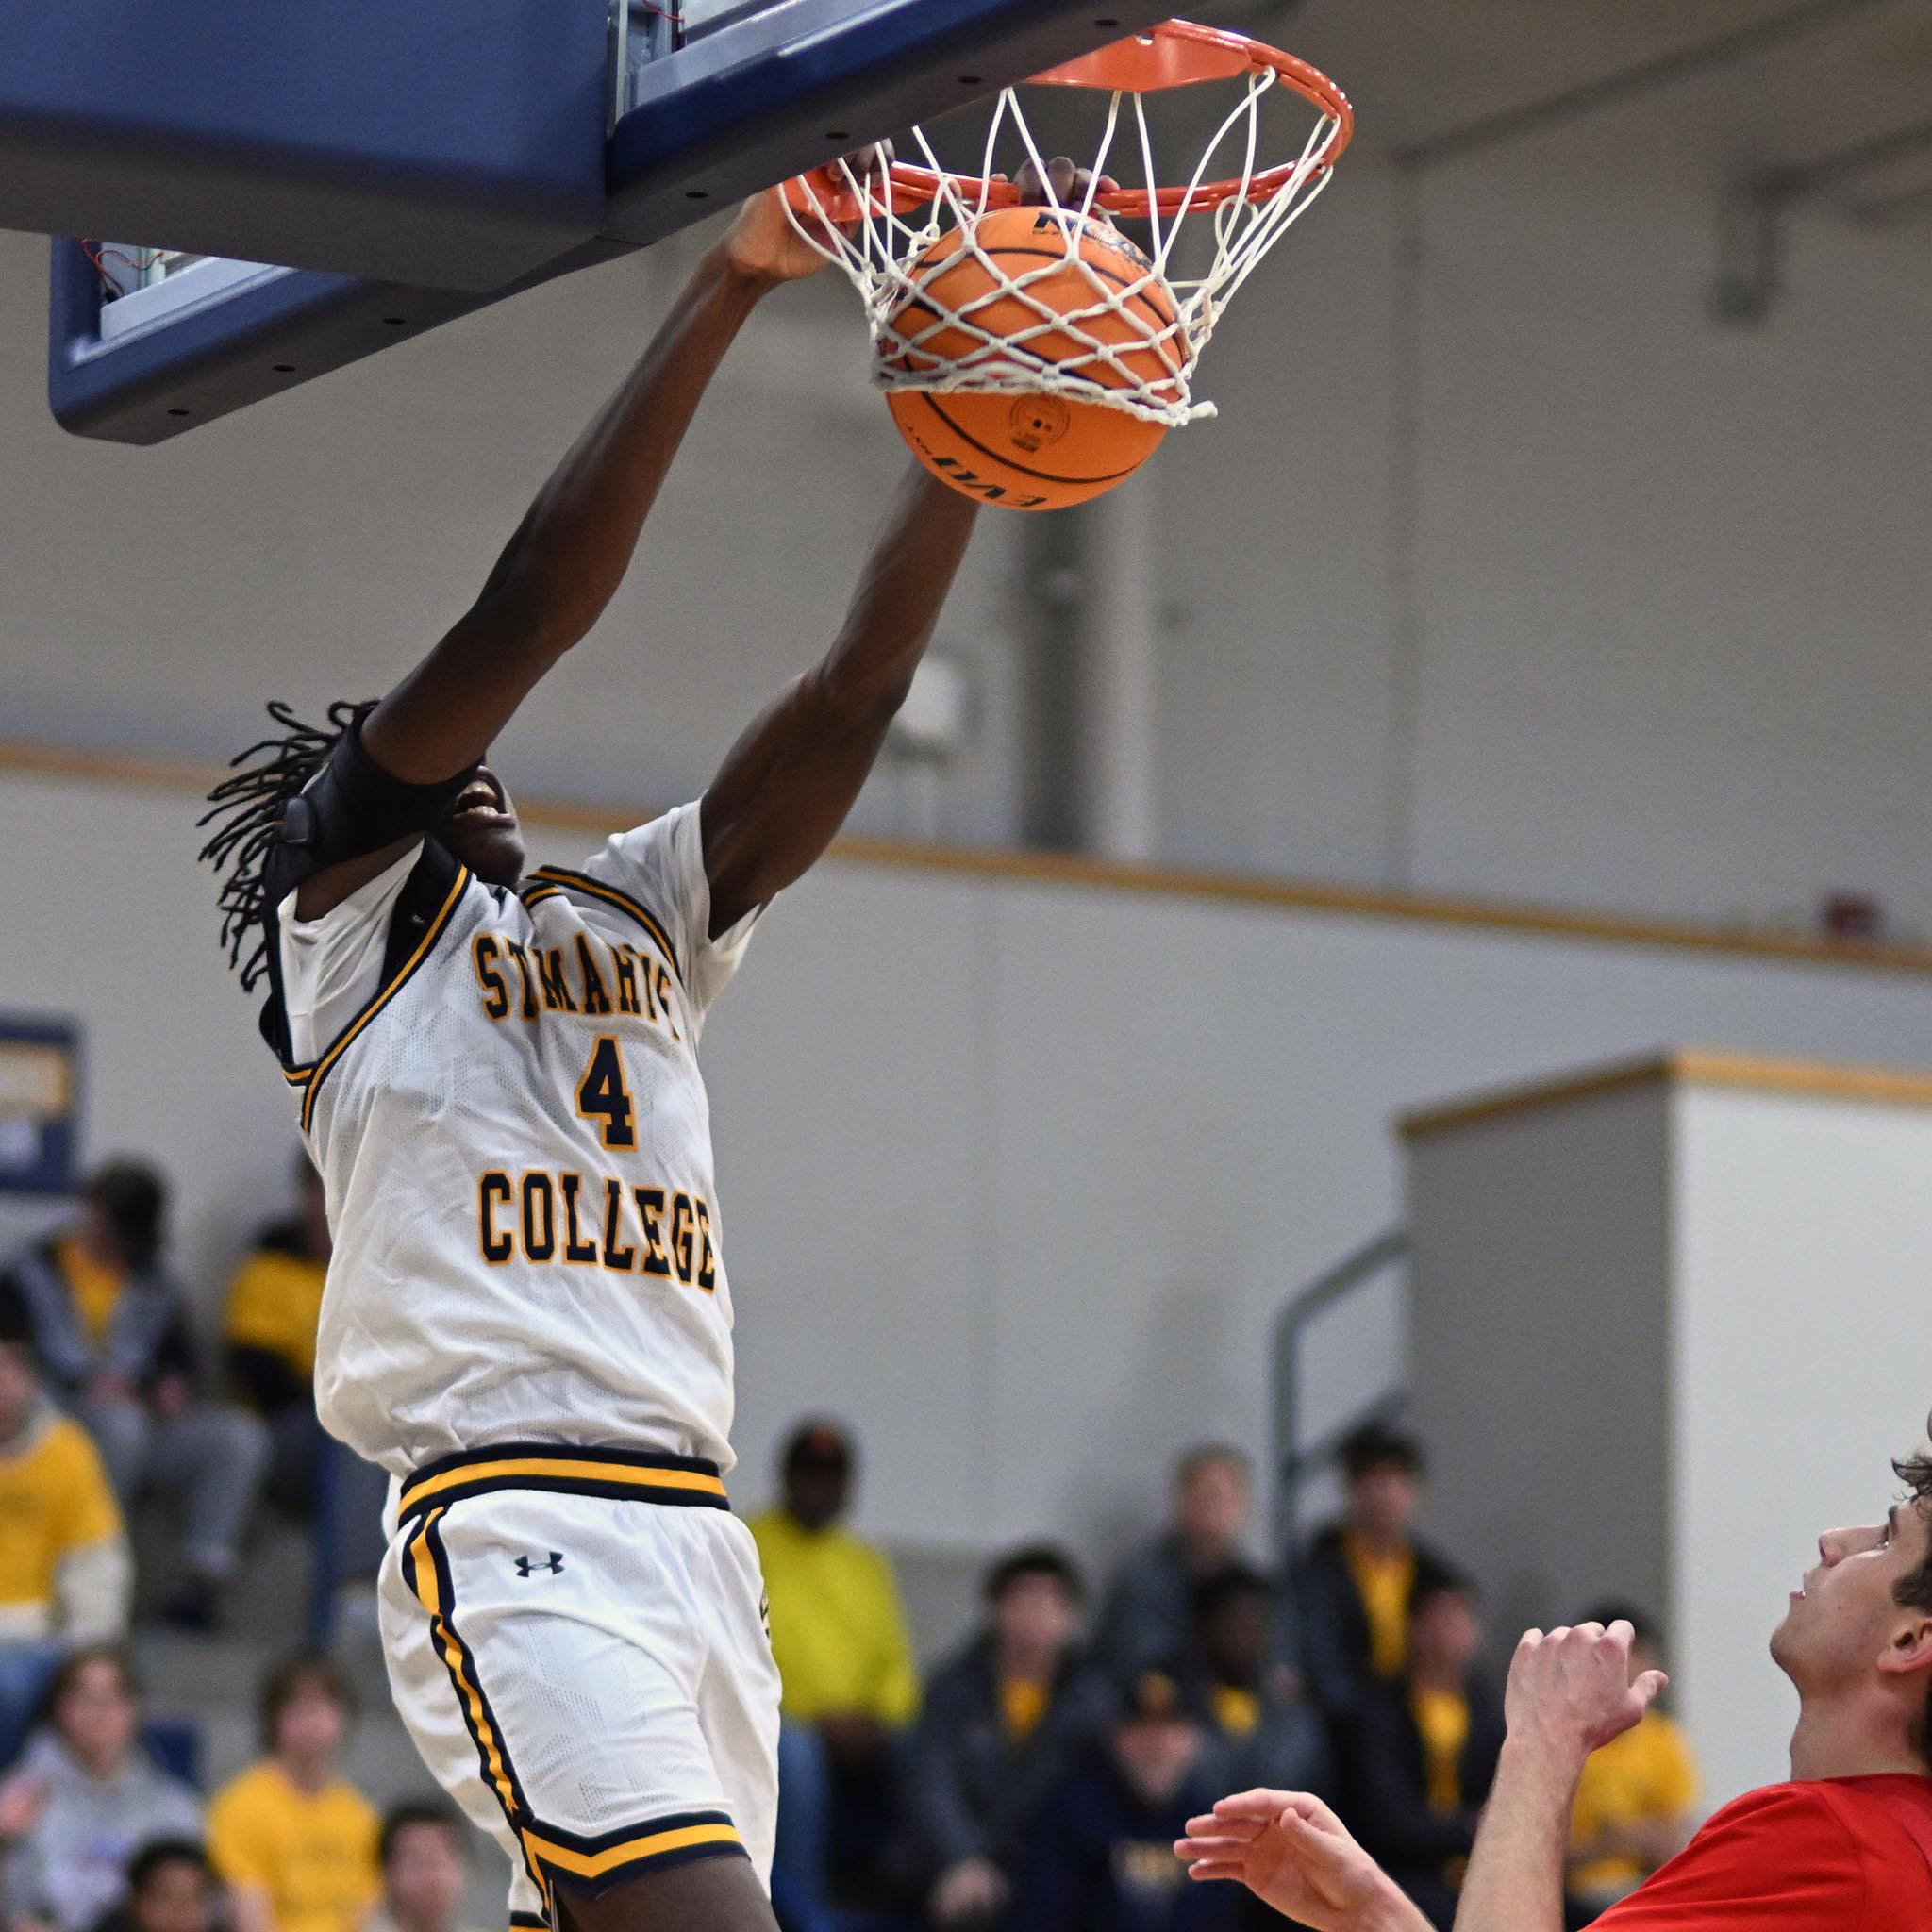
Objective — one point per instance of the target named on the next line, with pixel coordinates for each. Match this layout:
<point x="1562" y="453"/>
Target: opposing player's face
<point x="483" y="831"/>
<point x="1845" y="1620"/>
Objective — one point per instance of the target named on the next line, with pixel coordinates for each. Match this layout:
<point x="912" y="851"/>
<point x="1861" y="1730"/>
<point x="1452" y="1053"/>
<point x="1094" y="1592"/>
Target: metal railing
<point x="1296" y="1461"/>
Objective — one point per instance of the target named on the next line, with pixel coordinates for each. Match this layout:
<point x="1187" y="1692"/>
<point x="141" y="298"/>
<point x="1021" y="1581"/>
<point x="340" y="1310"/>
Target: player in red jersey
<point x="1845" y="1846"/>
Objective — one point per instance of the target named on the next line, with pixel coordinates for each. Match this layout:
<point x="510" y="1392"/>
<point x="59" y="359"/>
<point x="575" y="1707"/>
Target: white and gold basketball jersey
<point x="501" y="1090"/>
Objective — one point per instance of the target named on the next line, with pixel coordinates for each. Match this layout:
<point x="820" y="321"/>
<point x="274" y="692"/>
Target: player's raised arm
<point x="785" y="787"/>
<point x="568" y="555"/>
<point x="564" y="563"/>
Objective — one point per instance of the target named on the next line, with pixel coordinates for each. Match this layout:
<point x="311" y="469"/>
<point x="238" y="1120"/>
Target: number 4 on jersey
<point x="605" y="1098"/>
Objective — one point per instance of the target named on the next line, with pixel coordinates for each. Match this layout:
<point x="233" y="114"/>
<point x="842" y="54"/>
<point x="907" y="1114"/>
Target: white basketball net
<point x="881" y="251"/>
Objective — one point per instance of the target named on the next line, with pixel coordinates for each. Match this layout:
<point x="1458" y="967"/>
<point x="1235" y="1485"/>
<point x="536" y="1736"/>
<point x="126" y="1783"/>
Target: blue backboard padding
<point x="782" y="90"/>
<point x="147" y="388"/>
<point x="445" y="143"/>
<point x="759" y="97"/>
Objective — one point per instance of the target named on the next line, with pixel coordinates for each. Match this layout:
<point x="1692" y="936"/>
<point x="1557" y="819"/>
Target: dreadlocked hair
<point x="247" y="809"/>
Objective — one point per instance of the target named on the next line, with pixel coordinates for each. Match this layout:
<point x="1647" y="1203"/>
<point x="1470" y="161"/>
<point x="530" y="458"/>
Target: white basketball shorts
<point x="576" y="1641"/>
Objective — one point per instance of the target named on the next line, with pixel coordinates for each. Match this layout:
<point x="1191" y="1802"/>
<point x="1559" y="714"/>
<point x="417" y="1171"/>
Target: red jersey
<point x="1833" y="1855"/>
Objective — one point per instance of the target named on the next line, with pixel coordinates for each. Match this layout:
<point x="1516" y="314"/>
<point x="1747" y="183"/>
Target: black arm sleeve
<point x="351" y="808"/>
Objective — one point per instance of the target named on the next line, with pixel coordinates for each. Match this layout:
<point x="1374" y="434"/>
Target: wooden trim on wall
<point x="1074" y="869"/>
<point x="1688" y="1067"/>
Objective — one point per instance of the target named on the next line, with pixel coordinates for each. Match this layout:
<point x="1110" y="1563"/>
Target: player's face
<point x="1845" y="1617"/>
<point x="483" y="831"/>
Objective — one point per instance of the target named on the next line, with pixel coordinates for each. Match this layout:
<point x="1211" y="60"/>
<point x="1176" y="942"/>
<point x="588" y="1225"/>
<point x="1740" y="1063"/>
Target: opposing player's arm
<point x="785" y="787"/>
<point x="566" y="559"/>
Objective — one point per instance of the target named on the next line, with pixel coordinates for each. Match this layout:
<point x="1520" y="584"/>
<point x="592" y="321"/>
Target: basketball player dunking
<point x="527" y="1320"/>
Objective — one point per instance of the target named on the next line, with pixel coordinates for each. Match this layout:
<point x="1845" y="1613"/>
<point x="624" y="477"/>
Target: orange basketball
<point x="1035" y="450"/>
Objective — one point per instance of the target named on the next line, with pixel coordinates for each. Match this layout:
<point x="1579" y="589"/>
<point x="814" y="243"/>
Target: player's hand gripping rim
<point x="765" y="247"/>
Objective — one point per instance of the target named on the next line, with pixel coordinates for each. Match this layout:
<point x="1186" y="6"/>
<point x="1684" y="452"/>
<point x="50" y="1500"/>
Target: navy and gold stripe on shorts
<point x="626" y="1475"/>
<point x="587" y="1865"/>
<point x="426" y="1570"/>
<point x="594" y="1865"/>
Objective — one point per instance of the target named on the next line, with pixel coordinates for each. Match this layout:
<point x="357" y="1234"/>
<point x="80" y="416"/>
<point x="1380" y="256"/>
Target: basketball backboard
<point x="306" y="186"/>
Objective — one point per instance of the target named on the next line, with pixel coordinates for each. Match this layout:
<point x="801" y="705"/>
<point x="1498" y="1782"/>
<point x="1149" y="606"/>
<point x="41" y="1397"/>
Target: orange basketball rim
<point x="958" y="311"/>
<point x="1176" y="54"/>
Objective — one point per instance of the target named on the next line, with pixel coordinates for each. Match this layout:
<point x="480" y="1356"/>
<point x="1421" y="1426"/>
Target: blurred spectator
<point x="1270" y="1734"/>
<point x="424" y="1868"/>
<point x="85" y="1798"/>
<point x="848" y="1685"/>
<point x="268" y="1332"/>
<point x="1149" y="1614"/>
<point x="1633" y="1806"/>
<point x="171" y="1888"/>
<point x="294" y="1843"/>
<point x="1360" y="1575"/>
<point x="111" y="1332"/>
<point x="65" y="1571"/>
<point x="1003" y="1721"/>
<point x="1418" y="1755"/>
<point x="1099" y="1855"/>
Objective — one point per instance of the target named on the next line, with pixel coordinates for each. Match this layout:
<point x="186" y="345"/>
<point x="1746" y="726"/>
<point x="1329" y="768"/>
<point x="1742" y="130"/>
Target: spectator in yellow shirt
<point x="848" y="1684"/>
<point x="1633" y="1805"/>
<point x="65" y="1570"/>
<point x="1359" y="1578"/>
<point x="293" y="1841"/>
<point x="268" y="1334"/>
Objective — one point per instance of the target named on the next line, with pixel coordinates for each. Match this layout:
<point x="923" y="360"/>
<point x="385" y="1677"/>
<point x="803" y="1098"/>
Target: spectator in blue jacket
<point x="1269" y="1735"/>
<point x="1360" y="1576"/>
<point x="1148" y="1618"/>
<point x="1002" y="1721"/>
<point x="1100" y="1854"/>
<point x="1420" y="1753"/>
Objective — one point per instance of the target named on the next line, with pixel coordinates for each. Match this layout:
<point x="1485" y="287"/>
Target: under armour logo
<point x="529" y="1566"/>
